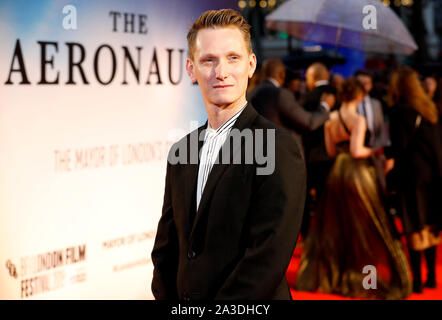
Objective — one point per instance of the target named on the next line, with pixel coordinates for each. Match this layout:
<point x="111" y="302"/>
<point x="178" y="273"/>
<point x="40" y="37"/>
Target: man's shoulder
<point x="261" y="122"/>
<point x="326" y="88"/>
<point x="319" y="90"/>
<point x="311" y="98"/>
<point x="282" y="135"/>
<point x="263" y="87"/>
<point x="283" y="91"/>
<point x="376" y="103"/>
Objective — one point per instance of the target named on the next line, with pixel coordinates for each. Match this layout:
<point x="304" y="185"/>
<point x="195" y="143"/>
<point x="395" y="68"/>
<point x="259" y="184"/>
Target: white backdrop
<point x="82" y="165"/>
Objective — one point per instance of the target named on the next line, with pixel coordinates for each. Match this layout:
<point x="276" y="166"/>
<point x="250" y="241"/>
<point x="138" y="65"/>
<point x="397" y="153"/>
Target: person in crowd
<point x="278" y="104"/>
<point x="317" y="160"/>
<point x="416" y="136"/>
<point x="430" y="87"/>
<point x="439" y="95"/>
<point x="254" y="80"/>
<point x="350" y="235"/>
<point x="293" y="82"/>
<point x="228" y="229"/>
<point x="372" y="111"/>
<point x="377" y="130"/>
<point x="337" y="81"/>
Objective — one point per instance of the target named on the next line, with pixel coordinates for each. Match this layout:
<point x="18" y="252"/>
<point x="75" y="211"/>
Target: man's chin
<point x="224" y="101"/>
<point x="226" y="105"/>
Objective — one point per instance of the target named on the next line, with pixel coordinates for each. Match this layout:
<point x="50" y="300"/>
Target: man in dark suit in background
<point x="294" y="82"/>
<point x="318" y="161"/>
<point x="278" y="104"/>
<point x="371" y="109"/>
<point x="378" y="136"/>
<point x="228" y="230"/>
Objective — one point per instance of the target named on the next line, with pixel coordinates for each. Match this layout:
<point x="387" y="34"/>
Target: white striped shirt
<point x="213" y="141"/>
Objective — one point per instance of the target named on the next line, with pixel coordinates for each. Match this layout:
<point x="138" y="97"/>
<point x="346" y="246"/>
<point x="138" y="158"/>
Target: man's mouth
<point x="223" y="86"/>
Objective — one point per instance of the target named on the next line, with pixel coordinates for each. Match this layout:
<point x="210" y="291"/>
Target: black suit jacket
<point x="279" y="106"/>
<point x="314" y="142"/>
<point x="379" y="137"/>
<point x="239" y="242"/>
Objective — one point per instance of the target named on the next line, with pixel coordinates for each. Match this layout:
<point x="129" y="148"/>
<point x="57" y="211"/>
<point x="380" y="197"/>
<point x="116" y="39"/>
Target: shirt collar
<point x="321" y="83"/>
<point x="274" y="81"/>
<point x="226" y="125"/>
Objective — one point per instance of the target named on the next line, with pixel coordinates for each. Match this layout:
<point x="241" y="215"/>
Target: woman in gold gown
<point x="350" y="230"/>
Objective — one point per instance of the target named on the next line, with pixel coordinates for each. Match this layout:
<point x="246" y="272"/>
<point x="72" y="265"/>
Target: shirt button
<point x="191" y="254"/>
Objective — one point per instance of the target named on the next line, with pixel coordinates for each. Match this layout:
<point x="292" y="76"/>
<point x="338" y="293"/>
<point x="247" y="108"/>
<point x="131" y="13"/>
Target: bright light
<point x="272" y="3"/>
<point x="263" y="4"/>
<point x="386" y="2"/>
<point x="316" y="48"/>
<point x="242" y="4"/>
<point x="252" y="3"/>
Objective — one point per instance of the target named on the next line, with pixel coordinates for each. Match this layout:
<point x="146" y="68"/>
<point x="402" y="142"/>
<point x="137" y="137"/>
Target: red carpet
<point x="428" y="294"/>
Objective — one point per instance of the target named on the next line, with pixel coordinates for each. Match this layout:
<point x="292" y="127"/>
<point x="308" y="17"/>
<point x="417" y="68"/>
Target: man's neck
<point x="219" y="114"/>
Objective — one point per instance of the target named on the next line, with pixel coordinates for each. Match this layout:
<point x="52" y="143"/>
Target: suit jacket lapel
<point x="244" y="120"/>
<point x="190" y="178"/>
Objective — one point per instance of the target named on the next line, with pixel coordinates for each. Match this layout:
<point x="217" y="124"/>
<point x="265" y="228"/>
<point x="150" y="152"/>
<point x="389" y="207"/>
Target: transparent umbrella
<point x="365" y="25"/>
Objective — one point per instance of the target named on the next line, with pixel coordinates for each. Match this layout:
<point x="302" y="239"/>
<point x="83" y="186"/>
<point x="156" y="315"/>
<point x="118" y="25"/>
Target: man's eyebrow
<point x="233" y="53"/>
<point x="207" y="55"/>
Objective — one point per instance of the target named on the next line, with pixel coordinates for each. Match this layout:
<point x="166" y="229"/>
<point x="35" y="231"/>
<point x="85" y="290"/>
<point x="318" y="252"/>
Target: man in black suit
<point x="317" y="81"/>
<point x="278" y="104"/>
<point x="371" y="109"/>
<point x="377" y="136"/>
<point x="228" y="228"/>
<point x="318" y="161"/>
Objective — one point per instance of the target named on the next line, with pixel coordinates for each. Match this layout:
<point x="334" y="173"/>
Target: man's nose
<point x="221" y="71"/>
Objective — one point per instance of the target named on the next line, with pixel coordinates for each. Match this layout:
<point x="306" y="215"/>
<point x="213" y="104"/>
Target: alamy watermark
<point x="258" y="146"/>
<point x="370" y="280"/>
<point x="369" y="22"/>
<point x="70" y="18"/>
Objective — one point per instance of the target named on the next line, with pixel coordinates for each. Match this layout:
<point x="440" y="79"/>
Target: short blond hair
<point x="217" y="19"/>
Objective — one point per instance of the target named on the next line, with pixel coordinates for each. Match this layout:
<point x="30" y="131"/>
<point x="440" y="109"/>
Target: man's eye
<point x="234" y="58"/>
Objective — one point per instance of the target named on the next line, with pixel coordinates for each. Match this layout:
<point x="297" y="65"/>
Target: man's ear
<point x="190" y="68"/>
<point x="252" y="65"/>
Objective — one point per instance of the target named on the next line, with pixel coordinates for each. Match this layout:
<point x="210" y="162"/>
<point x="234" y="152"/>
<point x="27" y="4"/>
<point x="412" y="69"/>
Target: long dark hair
<point x="351" y="89"/>
<point x="406" y="89"/>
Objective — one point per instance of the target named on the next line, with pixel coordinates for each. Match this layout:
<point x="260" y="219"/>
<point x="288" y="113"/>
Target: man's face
<point x="293" y="85"/>
<point x="222" y="66"/>
<point x="366" y="82"/>
<point x="430" y="86"/>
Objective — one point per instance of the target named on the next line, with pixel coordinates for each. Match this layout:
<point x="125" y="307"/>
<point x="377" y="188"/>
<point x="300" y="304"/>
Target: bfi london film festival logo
<point x="49" y="271"/>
